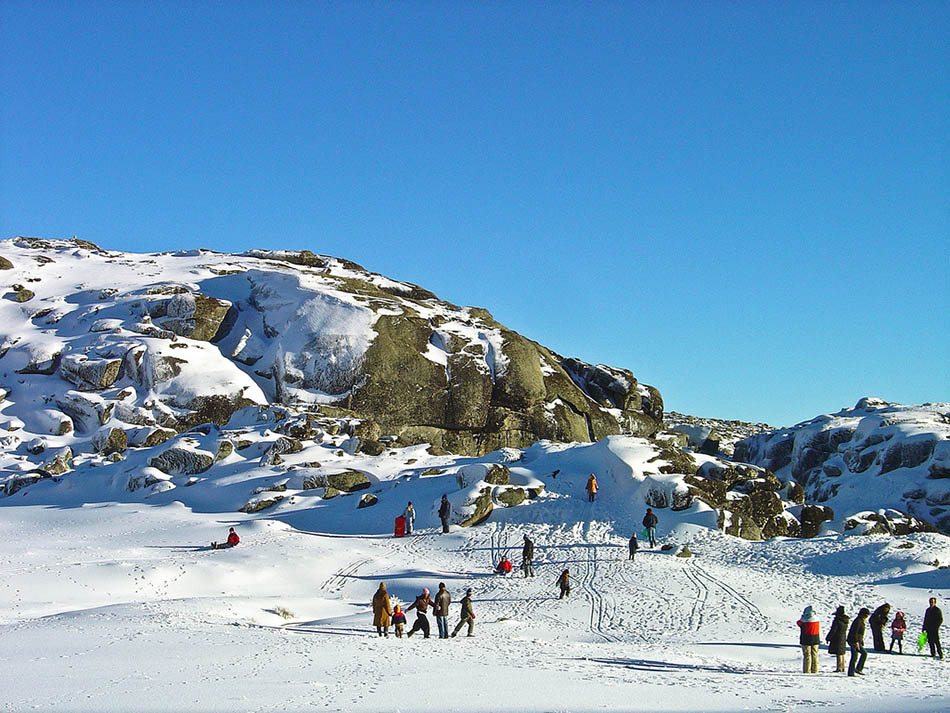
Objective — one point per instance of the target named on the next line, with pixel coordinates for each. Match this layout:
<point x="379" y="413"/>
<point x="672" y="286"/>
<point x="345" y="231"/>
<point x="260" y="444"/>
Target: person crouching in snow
<point x="898" y="627"/>
<point x="233" y="539"/>
<point x="504" y="567"/>
<point x="564" y="582"/>
<point x="422" y="621"/>
<point x="809" y="639"/>
<point x="399" y="621"/>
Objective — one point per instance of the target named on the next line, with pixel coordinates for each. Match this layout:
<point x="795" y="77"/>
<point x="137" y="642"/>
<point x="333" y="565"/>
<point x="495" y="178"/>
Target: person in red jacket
<point x="233" y="539"/>
<point x="504" y="567"/>
<point x="809" y="640"/>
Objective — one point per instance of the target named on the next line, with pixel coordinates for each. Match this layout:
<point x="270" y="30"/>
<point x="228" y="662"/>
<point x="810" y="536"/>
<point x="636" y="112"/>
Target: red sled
<point x="400" y="529"/>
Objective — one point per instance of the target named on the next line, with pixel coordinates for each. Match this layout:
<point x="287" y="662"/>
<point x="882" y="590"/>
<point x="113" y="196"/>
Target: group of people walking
<point x="385" y="614"/>
<point x="845" y="634"/>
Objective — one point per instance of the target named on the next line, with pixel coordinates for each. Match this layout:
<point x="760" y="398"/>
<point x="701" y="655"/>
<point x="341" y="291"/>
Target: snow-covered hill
<point x="872" y="459"/>
<point x="151" y="343"/>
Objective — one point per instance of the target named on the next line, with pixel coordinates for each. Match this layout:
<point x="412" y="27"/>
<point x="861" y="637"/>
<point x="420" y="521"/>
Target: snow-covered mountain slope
<point x="875" y="457"/>
<point x="712" y="435"/>
<point x="92" y="339"/>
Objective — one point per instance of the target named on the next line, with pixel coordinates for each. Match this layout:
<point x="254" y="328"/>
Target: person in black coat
<point x="856" y="640"/>
<point x="878" y="621"/>
<point x="634" y="545"/>
<point x="837" y="638"/>
<point x="933" y="618"/>
<point x="527" y="557"/>
<point x="650" y="522"/>
<point x="444" y="510"/>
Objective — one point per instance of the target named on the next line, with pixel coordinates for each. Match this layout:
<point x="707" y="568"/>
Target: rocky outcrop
<point x="348" y="481"/>
<point x="195" y="316"/>
<point x="179" y="460"/>
<point x="89" y="374"/>
<point x="110" y="440"/>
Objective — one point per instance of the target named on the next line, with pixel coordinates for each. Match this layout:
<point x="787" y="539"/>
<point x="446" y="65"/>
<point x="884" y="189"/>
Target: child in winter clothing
<point x="898" y="627"/>
<point x="504" y="567"/>
<point x="399" y="621"/>
<point x="809" y="639"/>
<point x="564" y="582"/>
<point x="634" y="545"/>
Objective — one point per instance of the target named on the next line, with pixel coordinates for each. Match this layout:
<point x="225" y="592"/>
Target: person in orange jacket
<point x="233" y="539"/>
<point x="591" y="487"/>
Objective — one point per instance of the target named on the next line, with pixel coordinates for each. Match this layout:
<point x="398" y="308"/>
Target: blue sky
<point x="746" y="203"/>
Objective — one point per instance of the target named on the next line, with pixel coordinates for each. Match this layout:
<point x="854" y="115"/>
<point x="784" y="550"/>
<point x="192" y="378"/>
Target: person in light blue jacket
<point x="410" y="517"/>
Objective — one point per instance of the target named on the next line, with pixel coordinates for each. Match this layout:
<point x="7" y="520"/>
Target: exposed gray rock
<point x="89" y="374"/>
<point x="110" y="440"/>
<point x="18" y="482"/>
<point x="182" y="461"/>
<point x="348" y="481"/>
<point x="368" y="500"/>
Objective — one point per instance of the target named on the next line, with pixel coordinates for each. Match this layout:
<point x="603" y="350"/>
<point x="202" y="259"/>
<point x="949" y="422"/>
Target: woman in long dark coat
<point x="837" y="638"/>
<point x="381" y="611"/>
<point x="878" y="621"/>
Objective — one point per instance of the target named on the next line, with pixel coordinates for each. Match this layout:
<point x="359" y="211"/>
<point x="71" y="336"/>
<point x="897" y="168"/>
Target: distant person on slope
<point x="441" y="610"/>
<point x="233" y="539"/>
<point x="634" y="545"/>
<point x="504" y="566"/>
<point x="421" y="605"/>
<point x="933" y="618"/>
<point x="591" y="488"/>
<point x="564" y="582"/>
<point x="838" y="638"/>
<point x="467" y="616"/>
<point x="527" y="557"/>
<point x="444" y="510"/>
<point x="381" y="610"/>
<point x="399" y="621"/>
<point x="410" y="516"/>
<point x="878" y="621"/>
<point x="650" y="522"/>
<point x="856" y="641"/>
<point x="809" y="639"/>
<point x="898" y="627"/>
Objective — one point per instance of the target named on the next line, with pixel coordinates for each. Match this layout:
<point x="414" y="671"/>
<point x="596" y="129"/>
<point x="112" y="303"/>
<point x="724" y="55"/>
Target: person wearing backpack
<point x="564" y="582"/>
<point x="809" y="639"/>
<point x="838" y="638"/>
<point x="467" y="616"/>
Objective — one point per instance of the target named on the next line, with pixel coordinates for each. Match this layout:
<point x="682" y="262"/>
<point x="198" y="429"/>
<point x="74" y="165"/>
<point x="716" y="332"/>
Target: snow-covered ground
<point x="121" y="606"/>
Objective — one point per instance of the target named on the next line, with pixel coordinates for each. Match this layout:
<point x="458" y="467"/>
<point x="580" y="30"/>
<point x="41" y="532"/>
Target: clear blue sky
<point x="746" y="203"/>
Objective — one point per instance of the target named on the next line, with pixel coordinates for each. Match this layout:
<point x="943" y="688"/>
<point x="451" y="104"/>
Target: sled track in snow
<point x="335" y="582"/>
<point x="702" y="595"/>
<point x="760" y="621"/>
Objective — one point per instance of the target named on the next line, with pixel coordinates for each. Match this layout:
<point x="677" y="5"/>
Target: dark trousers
<point x="633" y="551"/>
<point x="445" y="524"/>
<point x="527" y="566"/>
<point x="421" y="622"/>
<point x="590" y="497"/>
<point x="565" y="591"/>
<point x="858" y="656"/>
<point x="877" y="633"/>
<point x="933" y="638"/>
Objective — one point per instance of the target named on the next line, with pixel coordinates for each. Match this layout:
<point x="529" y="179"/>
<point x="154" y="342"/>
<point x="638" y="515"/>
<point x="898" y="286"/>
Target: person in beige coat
<point x="381" y="610"/>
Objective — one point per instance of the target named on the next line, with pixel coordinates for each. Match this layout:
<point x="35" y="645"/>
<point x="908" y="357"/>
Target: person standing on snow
<point x="422" y="621"/>
<point x="233" y="539"/>
<point x="878" y="621"/>
<point x="381" y="610"/>
<point x="399" y="621"/>
<point x="591" y="488"/>
<point x="898" y="627"/>
<point x="650" y="522"/>
<point x="527" y="557"/>
<point x="809" y="639"/>
<point x="468" y="616"/>
<point x="410" y="517"/>
<point x="933" y="618"/>
<point x="856" y="641"/>
<point x="564" y="582"/>
<point x="634" y="545"/>
<point x="838" y="638"/>
<point x="441" y="610"/>
<point x="444" y="510"/>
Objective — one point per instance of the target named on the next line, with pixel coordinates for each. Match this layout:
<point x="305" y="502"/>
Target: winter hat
<point x="809" y="614"/>
<point x="398" y="609"/>
<point x="468" y="592"/>
<point x="424" y="591"/>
